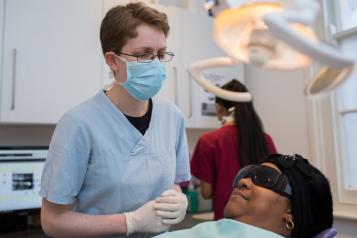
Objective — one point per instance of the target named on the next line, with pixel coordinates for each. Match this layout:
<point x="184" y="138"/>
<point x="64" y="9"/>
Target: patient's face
<point x="256" y="205"/>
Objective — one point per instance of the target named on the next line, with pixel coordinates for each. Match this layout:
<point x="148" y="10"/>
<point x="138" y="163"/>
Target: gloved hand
<point x="144" y="219"/>
<point x="171" y="206"/>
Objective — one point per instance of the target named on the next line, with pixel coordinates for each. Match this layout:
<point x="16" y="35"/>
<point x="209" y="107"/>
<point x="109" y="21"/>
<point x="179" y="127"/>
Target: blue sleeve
<point x="67" y="161"/>
<point x="182" y="155"/>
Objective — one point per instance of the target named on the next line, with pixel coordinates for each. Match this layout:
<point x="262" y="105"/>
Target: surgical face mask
<point x="265" y="177"/>
<point x="144" y="80"/>
<point x="229" y="118"/>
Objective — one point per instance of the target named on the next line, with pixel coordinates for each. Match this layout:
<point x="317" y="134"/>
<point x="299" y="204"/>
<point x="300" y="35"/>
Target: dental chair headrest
<point x="328" y="233"/>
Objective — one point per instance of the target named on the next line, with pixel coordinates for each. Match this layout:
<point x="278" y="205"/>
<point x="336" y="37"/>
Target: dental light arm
<point x="196" y="69"/>
<point x="304" y="11"/>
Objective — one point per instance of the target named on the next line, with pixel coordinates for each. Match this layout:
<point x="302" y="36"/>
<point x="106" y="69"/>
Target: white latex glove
<point x="145" y="219"/>
<point x="171" y="206"/>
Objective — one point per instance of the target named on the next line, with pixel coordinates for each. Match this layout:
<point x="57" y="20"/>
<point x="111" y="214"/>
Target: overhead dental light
<point x="274" y="34"/>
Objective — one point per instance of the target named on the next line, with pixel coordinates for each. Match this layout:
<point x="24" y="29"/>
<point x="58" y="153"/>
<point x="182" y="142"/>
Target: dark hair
<point x="311" y="202"/>
<point x="250" y="130"/>
<point x="120" y="23"/>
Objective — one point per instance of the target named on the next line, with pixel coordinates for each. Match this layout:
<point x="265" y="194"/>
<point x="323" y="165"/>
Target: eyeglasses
<point x="149" y="57"/>
<point x="266" y="177"/>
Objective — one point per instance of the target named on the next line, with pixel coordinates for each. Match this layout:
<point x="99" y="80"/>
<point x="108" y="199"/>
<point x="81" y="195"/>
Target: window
<point x="346" y="14"/>
<point x="334" y="120"/>
<point x="346" y="108"/>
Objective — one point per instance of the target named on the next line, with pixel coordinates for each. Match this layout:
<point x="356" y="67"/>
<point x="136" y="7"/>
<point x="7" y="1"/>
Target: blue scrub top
<point x="99" y="162"/>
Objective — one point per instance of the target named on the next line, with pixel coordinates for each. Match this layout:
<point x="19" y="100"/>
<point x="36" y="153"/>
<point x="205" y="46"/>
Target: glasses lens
<point x="265" y="177"/>
<point x="243" y="173"/>
<point x="165" y="57"/>
<point x="146" y="58"/>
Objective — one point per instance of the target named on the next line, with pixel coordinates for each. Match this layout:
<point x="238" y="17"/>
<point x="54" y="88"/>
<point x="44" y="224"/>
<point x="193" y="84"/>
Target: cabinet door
<point x="197" y="44"/>
<point x="2" y="8"/>
<point x="170" y="90"/>
<point x="51" y="58"/>
<point x="107" y="74"/>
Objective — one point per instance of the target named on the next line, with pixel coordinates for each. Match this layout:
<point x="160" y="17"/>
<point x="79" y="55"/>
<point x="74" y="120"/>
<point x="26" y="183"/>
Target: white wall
<point x="279" y="100"/>
<point x="192" y="5"/>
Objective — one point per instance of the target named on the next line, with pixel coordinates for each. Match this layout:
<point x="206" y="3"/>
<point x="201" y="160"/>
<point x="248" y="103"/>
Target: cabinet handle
<point x="13" y="94"/>
<point x="189" y="95"/>
<point x="176" y="84"/>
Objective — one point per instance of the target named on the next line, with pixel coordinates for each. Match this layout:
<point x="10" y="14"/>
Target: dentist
<point x="114" y="160"/>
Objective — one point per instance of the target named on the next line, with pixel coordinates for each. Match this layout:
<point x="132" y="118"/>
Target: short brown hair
<point x="120" y="23"/>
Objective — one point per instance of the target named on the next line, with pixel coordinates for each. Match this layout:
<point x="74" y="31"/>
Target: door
<point x="51" y="58"/>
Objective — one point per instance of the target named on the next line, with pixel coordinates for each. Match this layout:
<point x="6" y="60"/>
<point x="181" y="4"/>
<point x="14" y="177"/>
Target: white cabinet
<point x="170" y="89"/>
<point x="197" y="44"/>
<point x="2" y="8"/>
<point x="190" y="38"/>
<point x="51" y="58"/>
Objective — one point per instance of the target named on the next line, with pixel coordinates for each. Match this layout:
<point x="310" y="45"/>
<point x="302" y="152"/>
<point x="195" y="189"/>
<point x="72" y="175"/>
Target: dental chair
<point x="328" y="233"/>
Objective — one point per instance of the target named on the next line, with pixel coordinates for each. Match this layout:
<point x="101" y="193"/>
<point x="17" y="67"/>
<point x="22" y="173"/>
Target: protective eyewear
<point x="265" y="177"/>
<point x="149" y="57"/>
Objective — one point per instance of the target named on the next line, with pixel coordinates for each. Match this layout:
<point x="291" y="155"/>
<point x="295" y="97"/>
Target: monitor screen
<point x="20" y="177"/>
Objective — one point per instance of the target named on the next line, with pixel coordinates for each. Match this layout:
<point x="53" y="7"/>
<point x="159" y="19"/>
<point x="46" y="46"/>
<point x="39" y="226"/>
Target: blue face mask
<point x="144" y="79"/>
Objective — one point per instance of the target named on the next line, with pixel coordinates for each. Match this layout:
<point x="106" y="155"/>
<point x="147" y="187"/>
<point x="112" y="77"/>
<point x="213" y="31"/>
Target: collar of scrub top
<point x="272" y="34"/>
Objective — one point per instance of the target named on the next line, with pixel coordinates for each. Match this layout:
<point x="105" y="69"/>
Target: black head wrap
<point x="311" y="195"/>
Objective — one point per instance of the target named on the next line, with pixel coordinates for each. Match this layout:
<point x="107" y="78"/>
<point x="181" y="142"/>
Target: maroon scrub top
<point x="215" y="161"/>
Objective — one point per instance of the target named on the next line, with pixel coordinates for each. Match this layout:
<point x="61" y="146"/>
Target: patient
<point x="285" y="196"/>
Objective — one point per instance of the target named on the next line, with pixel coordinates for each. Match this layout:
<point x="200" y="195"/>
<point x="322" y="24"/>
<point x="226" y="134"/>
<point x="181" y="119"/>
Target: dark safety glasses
<point x="265" y="177"/>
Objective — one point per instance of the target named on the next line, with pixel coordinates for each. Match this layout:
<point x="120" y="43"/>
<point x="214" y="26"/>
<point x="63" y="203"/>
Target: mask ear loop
<point x="229" y="118"/>
<point x="115" y="82"/>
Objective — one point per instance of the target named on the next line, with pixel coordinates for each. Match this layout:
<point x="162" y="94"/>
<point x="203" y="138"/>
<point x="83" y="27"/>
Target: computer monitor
<point x="20" y="177"/>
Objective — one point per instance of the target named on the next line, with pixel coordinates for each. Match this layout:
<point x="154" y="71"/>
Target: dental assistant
<point x="114" y="160"/>
<point x="221" y="153"/>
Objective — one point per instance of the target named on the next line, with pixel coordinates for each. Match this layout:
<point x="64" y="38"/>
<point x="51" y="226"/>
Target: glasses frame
<point x="153" y="56"/>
